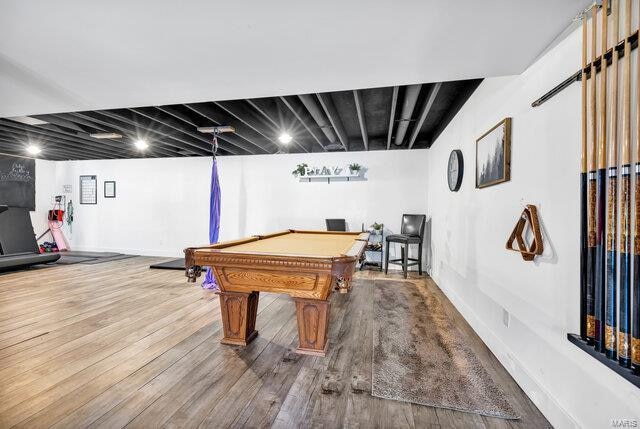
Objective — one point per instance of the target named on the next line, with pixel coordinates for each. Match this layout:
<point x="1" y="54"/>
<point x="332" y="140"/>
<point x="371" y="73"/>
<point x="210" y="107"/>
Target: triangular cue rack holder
<point x="528" y="216"/>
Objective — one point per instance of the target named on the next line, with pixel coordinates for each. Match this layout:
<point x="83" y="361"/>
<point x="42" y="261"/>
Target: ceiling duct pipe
<point x="315" y="110"/>
<point x="411" y="94"/>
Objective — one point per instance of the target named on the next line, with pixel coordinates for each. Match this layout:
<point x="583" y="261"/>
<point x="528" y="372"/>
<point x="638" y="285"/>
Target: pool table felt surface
<point x="314" y="244"/>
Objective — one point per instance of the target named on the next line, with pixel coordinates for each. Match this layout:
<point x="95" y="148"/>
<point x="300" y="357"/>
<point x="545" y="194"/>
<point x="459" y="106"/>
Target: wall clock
<point x="455" y="170"/>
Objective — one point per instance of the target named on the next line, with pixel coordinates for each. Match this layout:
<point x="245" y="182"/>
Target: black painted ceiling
<point x="401" y="117"/>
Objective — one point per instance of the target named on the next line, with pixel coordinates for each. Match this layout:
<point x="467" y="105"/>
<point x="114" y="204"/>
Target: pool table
<point x="307" y="265"/>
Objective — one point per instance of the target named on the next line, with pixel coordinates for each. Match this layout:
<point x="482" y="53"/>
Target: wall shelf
<point x="625" y="373"/>
<point x="335" y="177"/>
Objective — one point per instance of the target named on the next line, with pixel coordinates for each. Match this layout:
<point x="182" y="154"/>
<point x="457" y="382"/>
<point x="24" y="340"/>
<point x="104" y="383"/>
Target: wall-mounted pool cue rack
<point x="609" y="333"/>
<point x="626" y="373"/>
<point x="577" y="76"/>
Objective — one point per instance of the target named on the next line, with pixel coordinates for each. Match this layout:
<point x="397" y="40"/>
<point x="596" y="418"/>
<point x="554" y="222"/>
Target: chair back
<point x="413" y="224"/>
<point x="336" y="224"/>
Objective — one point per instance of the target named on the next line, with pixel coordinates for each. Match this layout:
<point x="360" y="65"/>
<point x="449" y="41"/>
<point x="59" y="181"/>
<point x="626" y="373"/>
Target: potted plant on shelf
<point x="355" y="168"/>
<point x="377" y="228"/>
<point x="300" y="170"/>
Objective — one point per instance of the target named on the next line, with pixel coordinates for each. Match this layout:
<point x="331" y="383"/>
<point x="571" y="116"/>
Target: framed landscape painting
<point x="493" y="155"/>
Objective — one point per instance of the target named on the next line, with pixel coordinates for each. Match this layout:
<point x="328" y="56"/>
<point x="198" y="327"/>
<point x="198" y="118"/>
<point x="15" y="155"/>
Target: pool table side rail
<point x="355" y="249"/>
<point x="300" y="276"/>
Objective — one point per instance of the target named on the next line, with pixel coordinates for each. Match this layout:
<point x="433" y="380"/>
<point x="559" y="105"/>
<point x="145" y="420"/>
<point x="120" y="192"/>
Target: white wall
<point x="162" y="205"/>
<point x="469" y="230"/>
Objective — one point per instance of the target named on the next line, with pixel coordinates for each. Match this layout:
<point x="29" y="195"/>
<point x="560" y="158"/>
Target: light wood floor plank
<point x="119" y="345"/>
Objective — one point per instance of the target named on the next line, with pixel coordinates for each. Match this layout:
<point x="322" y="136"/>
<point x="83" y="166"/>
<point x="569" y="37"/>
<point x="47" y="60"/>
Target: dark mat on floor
<point x="70" y="260"/>
<point x="176" y="264"/>
<point x="419" y="355"/>
<point x="80" y="254"/>
<point x="115" y="257"/>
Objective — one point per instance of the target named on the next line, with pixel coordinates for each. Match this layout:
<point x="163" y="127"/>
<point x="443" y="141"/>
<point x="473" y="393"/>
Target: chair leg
<point x="386" y="260"/>
<point x="420" y="258"/>
<point x="405" y="261"/>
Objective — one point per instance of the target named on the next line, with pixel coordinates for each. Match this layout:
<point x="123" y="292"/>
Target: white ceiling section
<point x="58" y="56"/>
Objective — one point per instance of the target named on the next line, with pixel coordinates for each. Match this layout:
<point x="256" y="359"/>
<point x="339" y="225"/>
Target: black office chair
<point x="336" y="224"/>
<point x="411" y="232"/>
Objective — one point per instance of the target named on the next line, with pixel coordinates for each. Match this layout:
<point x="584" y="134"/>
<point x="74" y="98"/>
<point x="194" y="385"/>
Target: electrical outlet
<point x="505" y="317"/>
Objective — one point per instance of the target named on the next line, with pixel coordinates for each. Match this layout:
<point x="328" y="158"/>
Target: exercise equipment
<point x="214" y="200"/>
<point x="55" y="218"/>
<point x="18" y="245"/>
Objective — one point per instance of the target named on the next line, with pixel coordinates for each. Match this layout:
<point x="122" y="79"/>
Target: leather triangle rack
<point x="530" y="216"/>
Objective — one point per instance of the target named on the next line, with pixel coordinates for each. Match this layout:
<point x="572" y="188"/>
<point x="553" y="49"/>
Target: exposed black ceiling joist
<point x="168" y="137"/>
<point x="131" y="135"/>
<point x="169" y="122"/>
<point x="357" y="96"/>
<point x="399" y="117"/>
<point x="292" y="104"/>
<point x="232" y="144"/>
<point x="17" y="147"/>
<point x="392" y="116"/>
<point x="242" y="130"/>
<point x="330" y="110"/>
<point x="274" y="125"/>
<point x="426" y="108"/>
<point x="56" y="137"/>
<point x="248" y="119"/>
<point x="411" y="94"/>
<point x="314" y="108"/>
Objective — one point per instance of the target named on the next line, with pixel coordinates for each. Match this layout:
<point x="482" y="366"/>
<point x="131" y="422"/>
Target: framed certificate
<point x="88" y="190"/>
<point x="110" y="189"/>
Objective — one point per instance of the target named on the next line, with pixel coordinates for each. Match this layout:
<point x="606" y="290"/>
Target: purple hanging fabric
<point x="214" y="222"/>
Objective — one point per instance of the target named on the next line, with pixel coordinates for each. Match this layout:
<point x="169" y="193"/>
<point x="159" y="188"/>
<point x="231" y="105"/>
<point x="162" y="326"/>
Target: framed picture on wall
<point x="493" y="155"/>
<point x="88" y="190"/>
<point x="110" y="189"/>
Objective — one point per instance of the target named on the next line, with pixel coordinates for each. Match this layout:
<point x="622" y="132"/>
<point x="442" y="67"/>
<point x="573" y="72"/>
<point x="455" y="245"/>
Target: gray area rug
<point x="420" y="357"/>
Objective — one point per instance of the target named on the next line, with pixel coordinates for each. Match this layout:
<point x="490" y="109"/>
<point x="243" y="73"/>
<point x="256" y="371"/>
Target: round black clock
<point x="455" y="170"/>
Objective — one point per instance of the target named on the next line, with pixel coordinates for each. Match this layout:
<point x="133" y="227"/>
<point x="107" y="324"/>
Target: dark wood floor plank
<point x="198" y="381"/>
<point x="116" y="344"/>
<point x="278" y="332"/>
<point x="141" y="398"/>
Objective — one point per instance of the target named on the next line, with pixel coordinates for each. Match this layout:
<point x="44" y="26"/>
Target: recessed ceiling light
<point x="141" y="144"/>
<point x="28" y="120"/>
<point x="106" y="135"/>
<point x="285" y="138"/>
<point x="33" y="149"/>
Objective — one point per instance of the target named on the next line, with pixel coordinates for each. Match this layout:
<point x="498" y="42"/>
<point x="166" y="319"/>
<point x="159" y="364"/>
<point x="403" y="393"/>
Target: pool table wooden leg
<point x="239" y="311"/>
<point x="313" y="324"/>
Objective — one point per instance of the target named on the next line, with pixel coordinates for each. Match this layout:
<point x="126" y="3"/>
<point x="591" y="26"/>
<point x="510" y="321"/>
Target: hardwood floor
<point x="116" y="344"/>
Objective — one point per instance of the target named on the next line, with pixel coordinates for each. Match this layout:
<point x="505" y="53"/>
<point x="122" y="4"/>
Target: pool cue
<point x="591" y="191"/>
<point x="583" y="188"/>
<point x="633" y="308"/>
<point x="611" y="312"/>
<point x="625" y="212"/>
<point x="601" y="192"/>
